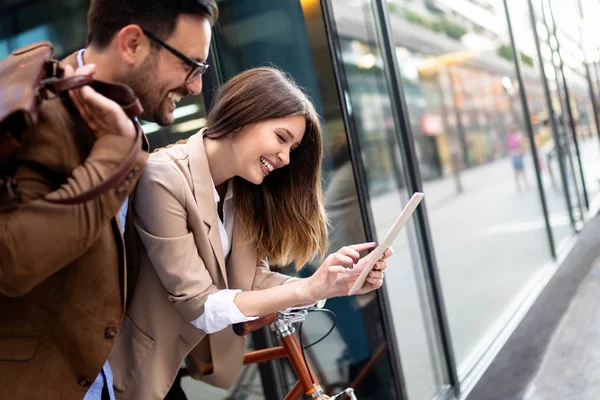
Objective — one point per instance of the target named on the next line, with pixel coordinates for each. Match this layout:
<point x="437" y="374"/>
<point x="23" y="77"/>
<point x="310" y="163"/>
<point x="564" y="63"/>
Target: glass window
<point x="484" y="209"/>
<point x="548" y="155"/>
<point x="590" y="154"/>
<point x="32" y="21"/>
<point x="567" y="21"/>
<point x="370" y="109"/>
<point x="548" y="45"/>
<point x="190" y="117"/>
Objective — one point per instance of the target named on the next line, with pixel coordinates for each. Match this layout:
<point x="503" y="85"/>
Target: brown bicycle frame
<point x="291" y="349"/>
<point x="307" y="381"/>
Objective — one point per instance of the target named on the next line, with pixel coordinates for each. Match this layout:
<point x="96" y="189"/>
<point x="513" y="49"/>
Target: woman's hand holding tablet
<point x="367" y="262"/>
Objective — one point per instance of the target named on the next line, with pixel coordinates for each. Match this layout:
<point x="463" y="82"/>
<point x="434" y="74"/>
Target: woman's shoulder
<point x="178" y="151"/>
<point x="169" y="168"/>
<point x="171" y="153"/>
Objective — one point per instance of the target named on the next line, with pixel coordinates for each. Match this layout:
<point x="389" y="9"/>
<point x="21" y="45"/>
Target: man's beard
<point x="143" y="82"/>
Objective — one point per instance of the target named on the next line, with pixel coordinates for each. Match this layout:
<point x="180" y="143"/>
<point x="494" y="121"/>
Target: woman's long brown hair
<point x="284" y="216"/>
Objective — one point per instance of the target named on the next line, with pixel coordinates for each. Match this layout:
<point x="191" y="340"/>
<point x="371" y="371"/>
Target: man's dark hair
<point x="107" y="17"/>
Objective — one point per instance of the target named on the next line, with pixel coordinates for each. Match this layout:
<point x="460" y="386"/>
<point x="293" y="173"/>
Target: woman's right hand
<point x="333" y="278"/>
<point x="102" y="115"/>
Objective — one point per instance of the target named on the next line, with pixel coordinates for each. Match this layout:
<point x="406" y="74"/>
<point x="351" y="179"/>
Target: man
<point x="63" y="277"/>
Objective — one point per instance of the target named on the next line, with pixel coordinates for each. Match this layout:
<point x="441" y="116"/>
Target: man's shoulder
<point x="51" y="141"/>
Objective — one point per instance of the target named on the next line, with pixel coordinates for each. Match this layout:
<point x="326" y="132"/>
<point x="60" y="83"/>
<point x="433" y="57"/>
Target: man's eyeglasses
<point x="198" y="68"/>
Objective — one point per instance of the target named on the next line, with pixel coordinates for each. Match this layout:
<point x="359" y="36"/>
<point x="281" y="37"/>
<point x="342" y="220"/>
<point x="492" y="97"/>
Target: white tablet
<point x="376" y="254"/>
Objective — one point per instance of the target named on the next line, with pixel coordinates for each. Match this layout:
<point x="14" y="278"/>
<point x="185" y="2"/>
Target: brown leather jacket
<point x="63" y="274"/>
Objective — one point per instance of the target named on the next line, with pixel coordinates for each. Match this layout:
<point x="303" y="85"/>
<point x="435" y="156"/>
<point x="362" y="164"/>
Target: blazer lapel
<point x="204" y="196"/>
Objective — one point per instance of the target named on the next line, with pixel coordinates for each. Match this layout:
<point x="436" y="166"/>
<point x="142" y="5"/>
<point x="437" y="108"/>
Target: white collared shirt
<point x="225" y="226"/>
<point x="220" y="310"/>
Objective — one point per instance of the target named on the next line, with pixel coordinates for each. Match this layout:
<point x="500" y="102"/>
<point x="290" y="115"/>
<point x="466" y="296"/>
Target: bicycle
<point x="282" y="323"/>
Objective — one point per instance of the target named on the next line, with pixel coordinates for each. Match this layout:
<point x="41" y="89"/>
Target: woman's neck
<point x="220" y="160"/>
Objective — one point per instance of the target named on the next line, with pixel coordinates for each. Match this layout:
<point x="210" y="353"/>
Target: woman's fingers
<point x="375" y="279"/>
<point x="376" y="274"/>
<point x="350" y="252"/>
<point x="341" y="259"/>
<point x="388" y="253"/>
<point x="380" y="266"/>
<point x="362" y="246"/>
<point x="350" y="256"/>
<point x="356" y="248"/>
<point x="376" y="283"/>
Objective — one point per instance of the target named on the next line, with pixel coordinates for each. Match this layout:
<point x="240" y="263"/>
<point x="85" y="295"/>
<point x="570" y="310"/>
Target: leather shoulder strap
<point x="114" y="180"/>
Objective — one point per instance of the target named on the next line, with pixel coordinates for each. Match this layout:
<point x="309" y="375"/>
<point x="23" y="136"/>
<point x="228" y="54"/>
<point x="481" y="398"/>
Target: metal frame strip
<point x="361" y="186"/>
<point x="529" y="128"/>
<point x="415" y="183"/>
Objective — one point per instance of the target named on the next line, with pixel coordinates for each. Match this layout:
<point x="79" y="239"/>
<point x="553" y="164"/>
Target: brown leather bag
<point x="28" y="76"/>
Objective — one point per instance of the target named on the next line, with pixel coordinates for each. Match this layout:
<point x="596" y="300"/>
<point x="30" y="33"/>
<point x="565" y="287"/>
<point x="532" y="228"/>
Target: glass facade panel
<point x="548" y="155"/>
<point x="370" y="109"/>
<point x="32" y="21"/>
<point x="556" y="84"/>
<point x="570" y="40"/>
<point x="590" y="154"/>
<point x="467" y="123"/>
<point x="190" y="117"/>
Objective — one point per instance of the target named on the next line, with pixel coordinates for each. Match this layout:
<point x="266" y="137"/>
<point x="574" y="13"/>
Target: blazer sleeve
<point x="40" y="238"/>
<point x="264" y="278"/>
<point x="161" y="222"/>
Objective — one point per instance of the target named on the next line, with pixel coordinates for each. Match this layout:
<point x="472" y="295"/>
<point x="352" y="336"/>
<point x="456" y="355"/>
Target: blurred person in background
<point x="516" y="150"/>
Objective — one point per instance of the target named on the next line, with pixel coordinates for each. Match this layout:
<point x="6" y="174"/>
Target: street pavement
<point x="570" y="369"/>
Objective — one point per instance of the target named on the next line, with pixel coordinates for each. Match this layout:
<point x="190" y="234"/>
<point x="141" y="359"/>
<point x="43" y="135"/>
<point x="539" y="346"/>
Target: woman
<point x="203" y="263"/>
<point x="516" y="149"/>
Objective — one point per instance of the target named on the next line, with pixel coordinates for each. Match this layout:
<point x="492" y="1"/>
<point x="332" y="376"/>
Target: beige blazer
<point x="181" y="264"/>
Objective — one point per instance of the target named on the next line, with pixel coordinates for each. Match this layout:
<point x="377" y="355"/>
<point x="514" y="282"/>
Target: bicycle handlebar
<point x="244" y="328"/>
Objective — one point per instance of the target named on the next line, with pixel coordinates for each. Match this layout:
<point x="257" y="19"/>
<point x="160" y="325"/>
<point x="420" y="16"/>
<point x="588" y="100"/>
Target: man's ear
<point x="132" y="44"/>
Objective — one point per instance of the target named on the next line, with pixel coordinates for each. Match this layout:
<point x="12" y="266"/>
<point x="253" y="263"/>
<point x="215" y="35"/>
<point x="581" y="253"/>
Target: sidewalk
<point x="554" y="354"/>
<point x="571" y="366"/>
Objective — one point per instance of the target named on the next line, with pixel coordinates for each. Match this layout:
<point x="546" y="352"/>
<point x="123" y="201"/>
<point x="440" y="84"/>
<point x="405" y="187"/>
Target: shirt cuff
<point x="220" y="311"/>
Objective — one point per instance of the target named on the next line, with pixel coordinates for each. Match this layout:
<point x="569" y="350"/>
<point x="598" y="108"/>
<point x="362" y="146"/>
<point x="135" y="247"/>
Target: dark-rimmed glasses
<point x="198" y="68"/>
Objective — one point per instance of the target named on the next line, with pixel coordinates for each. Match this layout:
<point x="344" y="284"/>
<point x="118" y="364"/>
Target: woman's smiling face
<point x="265" y="146"/>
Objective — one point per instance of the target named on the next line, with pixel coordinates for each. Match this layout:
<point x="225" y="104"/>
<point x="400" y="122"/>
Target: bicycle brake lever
<point x="348" y="392"/>
<point x="293" y="316"/>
